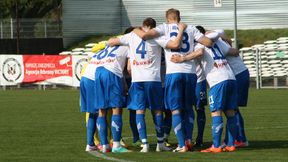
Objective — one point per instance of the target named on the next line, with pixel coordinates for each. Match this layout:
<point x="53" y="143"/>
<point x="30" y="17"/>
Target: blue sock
<point x="201" y="121"/>
<point x="189" y="123"/>
<point x="240" y="124"/>
<point x="177" y="126"/>
<point x="116" y="127"/>
<point x="102" y="129"/>
<point x="232" y="130"/>
<point x="91" y="127"/>
<point x="133" y="125"/>
<point x="158" y="122"/>
<point x="141" y="126"/>
<point x="217" y="128"/>
<point x="167" y="124"/>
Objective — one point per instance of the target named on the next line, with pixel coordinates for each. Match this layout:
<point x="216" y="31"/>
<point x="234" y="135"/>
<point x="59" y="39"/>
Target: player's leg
<point x="91" y="127"/>
<point x="86" y="96"/>
<point x="137" y="101"/>
<point x="243" y="81"/>
<point x="167" y="126"/>
<point x="108" y="119"/>
<point x="231" y="106"/>
<point x="173" y="101"/>
<point x="101" y="97"/>
<point x="133" y="126"/>
<point x="201" y="101"/>
<point x="217" y="102"/>
<point x="102" y="129"/>
<point x="189" y="100"/>
<point x="154" y="95"/>
<point x="116" y="127"/>
<point x="96" y="134"/>
<point x="141" y="127"/>
<point x="167" y="123"/>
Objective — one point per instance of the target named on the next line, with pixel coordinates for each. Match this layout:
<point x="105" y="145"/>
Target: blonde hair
<point x="173" y="14"/>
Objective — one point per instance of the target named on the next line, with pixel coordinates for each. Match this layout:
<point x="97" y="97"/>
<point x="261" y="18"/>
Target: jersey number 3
<point x="185" y="47"/>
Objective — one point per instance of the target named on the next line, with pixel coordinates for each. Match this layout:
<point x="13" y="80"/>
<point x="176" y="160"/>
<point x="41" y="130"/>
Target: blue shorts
<point x="223" y="96"/>
<point x="87" y="96"/>
<point x="108" y="89"/>
<point x="243" y="82"/>
<point x="179" y="91"/>
<point x="144" y="95"/>
<point x="201" y="94"/>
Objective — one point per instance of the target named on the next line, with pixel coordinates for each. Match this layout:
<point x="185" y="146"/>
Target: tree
<point x="28" y="8"/>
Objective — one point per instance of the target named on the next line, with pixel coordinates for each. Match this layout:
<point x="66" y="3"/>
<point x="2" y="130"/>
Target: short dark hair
<point x="129" y="29"/>
<point x="201" y="29"/>
<point x="149" y="22"/>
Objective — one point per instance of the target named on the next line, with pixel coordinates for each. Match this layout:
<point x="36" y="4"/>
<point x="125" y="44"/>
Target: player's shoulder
<point x="191" y="28"/>
<point x="198" y="45"/>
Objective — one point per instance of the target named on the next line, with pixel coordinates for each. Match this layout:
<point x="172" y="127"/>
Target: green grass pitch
<point x="47" y="126"/>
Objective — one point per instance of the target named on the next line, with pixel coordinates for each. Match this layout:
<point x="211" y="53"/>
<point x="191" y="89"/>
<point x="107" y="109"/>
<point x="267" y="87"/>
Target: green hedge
<point x="247" y="38"/>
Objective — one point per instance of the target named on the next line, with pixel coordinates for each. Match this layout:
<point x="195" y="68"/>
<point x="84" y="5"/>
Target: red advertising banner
<point x="43" y="67"/>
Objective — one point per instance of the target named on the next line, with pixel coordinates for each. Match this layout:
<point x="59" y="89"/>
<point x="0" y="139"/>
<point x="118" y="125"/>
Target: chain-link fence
<point x="30" y="28"/>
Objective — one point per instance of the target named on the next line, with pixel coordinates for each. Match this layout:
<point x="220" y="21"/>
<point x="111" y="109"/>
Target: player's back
<point x="114" y="59"/>
<point x="236" y="63"/>
<point x="189" y="36"/>
<point x="215" y="66"/>
<point x="145" y="58"/>
<point x="91" y="67"/>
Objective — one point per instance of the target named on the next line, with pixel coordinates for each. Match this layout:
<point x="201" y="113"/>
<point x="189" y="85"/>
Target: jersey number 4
<point x="141" y="49"/>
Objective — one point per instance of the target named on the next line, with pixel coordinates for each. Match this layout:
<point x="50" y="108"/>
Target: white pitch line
<point x="103" y="156"/>
<point x="274" y="127"/>
<point x="148" y="135"/>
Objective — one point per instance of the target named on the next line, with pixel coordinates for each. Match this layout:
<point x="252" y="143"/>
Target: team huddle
<point x="193" y="57"/>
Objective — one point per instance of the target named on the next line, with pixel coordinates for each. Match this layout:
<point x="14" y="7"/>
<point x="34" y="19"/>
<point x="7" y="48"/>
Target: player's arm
<point x="123" y="40"/>
<point x="223" y="36"/>
<point x="114" y="42"/>
<point x="227" y="49"/>
<point x="175" y="43"/>
<point x="205" y="41"/>
<point x="192" y="55"/>
<point x="233" y="52"/>
<point x="129" y="67"/>
<point x="146" y="35"/>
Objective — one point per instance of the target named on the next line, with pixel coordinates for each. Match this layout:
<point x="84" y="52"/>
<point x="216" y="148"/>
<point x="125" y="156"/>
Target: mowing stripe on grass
<point x="148" y="135"/>
<point x="274" y="127"/>
<point x="104" y="157"/>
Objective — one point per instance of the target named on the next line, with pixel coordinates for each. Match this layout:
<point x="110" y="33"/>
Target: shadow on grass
<point x="253" y="145"/>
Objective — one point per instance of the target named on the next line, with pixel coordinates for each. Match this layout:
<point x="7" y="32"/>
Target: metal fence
<point x="30" y="28"/>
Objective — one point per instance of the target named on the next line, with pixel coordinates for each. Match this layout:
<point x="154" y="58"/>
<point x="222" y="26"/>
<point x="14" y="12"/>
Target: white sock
<point x="116" y="144"/>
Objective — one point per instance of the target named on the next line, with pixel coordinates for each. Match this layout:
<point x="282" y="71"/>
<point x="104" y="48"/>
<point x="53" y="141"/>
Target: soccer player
<point x="87" y="103"/>
<point x="132" y="113"/>
<point x="180" y="78"/>
<point x="201" y="101"/>
<point x="110" y="94"/>
<point x="223" y="90"/>
<point x="243" y="79"/>
<point x="167" y="123"/>
<point x="146" y="89"/>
